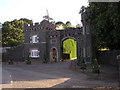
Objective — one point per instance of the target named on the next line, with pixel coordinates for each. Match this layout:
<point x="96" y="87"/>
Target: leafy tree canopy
<point x="12" y="32"/>
<point x="59" y="22"/>
<point x="62" y="25"/>
<point x="105" y="24"/>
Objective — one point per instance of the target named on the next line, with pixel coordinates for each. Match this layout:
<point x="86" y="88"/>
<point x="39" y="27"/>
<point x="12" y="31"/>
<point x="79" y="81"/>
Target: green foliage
<point x="95" y="66"/>
<point x="28" y="61"/>
<point x="12" y="32"/>
<point x="78" y="61"/>
<point x="81" y="63"/>
<point x="78" y="26"/>
<point x="65" y="25"/>
<point x="69" y="47"/>
<point x="103" y="49"/>
<point x="27" y="21"/>
<point x="45" y="59"/>
<point x="10" y="62"/>
<point x="59" y="23"/>
<point x="68" y="24"/>
<point x="105" y="24"/>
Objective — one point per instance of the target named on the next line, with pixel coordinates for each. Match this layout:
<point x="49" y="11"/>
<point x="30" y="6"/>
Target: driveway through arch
<point x="69" y="48"/>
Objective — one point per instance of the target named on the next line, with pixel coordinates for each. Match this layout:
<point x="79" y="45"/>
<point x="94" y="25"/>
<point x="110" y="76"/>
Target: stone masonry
<point x="50" y="41"/>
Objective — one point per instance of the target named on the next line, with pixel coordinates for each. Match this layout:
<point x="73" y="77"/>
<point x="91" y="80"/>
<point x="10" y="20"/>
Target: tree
<point x="78" y="26"/>
<point x="12" y="32"/>
<point x="68" y="24"/>
<point x="59" y="22"/>
<point x="61" y="25"/>
<point x="104" y="21"/>
<point x="26" y="20"/>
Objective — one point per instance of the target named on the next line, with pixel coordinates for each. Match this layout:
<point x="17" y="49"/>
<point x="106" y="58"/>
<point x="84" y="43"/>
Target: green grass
<point x="103" y="49"/>
<point x="69" y="47"/>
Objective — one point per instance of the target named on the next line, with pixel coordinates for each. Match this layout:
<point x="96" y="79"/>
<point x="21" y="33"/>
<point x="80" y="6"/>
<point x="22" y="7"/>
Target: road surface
<point x="56" y="75"/>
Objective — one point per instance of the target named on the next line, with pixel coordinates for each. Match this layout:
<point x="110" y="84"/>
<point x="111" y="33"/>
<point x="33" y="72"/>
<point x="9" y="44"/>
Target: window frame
<point x="34" y="39"/>
<point x="34" y="53"/>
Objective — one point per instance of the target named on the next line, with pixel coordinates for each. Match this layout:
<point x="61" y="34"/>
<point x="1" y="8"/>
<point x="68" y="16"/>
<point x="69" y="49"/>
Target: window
<point x="34" y="53"/>
<point x="53" y="41"/>
<point x="34" y="39"/>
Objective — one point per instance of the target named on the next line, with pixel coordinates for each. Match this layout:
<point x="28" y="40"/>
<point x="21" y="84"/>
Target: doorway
<point x="53" y="55"/>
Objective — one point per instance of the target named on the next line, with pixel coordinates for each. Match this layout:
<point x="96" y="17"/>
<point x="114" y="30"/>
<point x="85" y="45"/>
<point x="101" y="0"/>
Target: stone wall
<point x="49" y="38"/>
<point x="42" y="31"/>
<point x="53" y="41"/>
<point x="41" y="45"/>
<point x="108" y="57"/>
<point x="87" y="42"/>
<point x="73" y="33"/>
<point x="14" y="53"/>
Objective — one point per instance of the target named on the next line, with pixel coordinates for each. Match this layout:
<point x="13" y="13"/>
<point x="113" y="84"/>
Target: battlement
<point x="32" y="24"/>
<point x="65" y="32"/>
<point x="42" y="25"/>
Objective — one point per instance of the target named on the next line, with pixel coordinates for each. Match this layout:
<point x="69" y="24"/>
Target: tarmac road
<point x="53" y="75"/>
<point x="5" y="77"/>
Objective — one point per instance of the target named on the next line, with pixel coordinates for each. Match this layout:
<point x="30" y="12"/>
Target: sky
<point x="59" y="10"/>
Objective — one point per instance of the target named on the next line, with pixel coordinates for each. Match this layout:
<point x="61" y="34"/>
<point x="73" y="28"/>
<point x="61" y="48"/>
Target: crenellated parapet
<point x="32" y="26"/>
<point x="65" y="32"/>
<point x="44" y="25"/>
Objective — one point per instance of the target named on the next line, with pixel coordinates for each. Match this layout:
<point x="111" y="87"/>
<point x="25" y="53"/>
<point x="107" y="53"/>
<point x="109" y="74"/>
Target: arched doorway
<point x="54" y="55"/>
<point x="69" y="49"/>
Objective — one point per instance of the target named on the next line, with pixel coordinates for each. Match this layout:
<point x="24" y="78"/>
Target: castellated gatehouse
<point x="43" y="42"/>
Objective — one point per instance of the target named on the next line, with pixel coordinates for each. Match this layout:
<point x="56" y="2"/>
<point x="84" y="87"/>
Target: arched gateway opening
<point x="54" y="55"/>
<point x="69" y="49"/>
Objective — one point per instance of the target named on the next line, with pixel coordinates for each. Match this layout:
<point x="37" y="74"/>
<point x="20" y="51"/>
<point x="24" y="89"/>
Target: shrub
<point x="28" y="61"/>
<point x="81" y="63"/>
<point x="78" y="61"/>
<point x="45" y="59"/>
<point x="10" y="62"/>
<point x="95" y="66"/>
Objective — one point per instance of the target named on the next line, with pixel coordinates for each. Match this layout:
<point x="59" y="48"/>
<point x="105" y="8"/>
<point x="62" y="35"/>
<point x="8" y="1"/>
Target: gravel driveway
<point x="58" y="75"/>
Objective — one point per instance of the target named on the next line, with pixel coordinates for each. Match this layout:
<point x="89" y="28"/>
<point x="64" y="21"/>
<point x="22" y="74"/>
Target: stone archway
<point x="71" y="53"/>
<point x="53" y="54"/>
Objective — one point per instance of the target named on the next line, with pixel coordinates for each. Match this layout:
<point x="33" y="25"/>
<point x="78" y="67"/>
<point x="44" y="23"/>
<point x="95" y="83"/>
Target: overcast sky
<point x="59" y="10"/>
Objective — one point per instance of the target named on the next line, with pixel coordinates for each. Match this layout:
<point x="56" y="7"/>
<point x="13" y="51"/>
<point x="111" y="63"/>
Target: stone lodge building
<point x="42" y="41"/>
